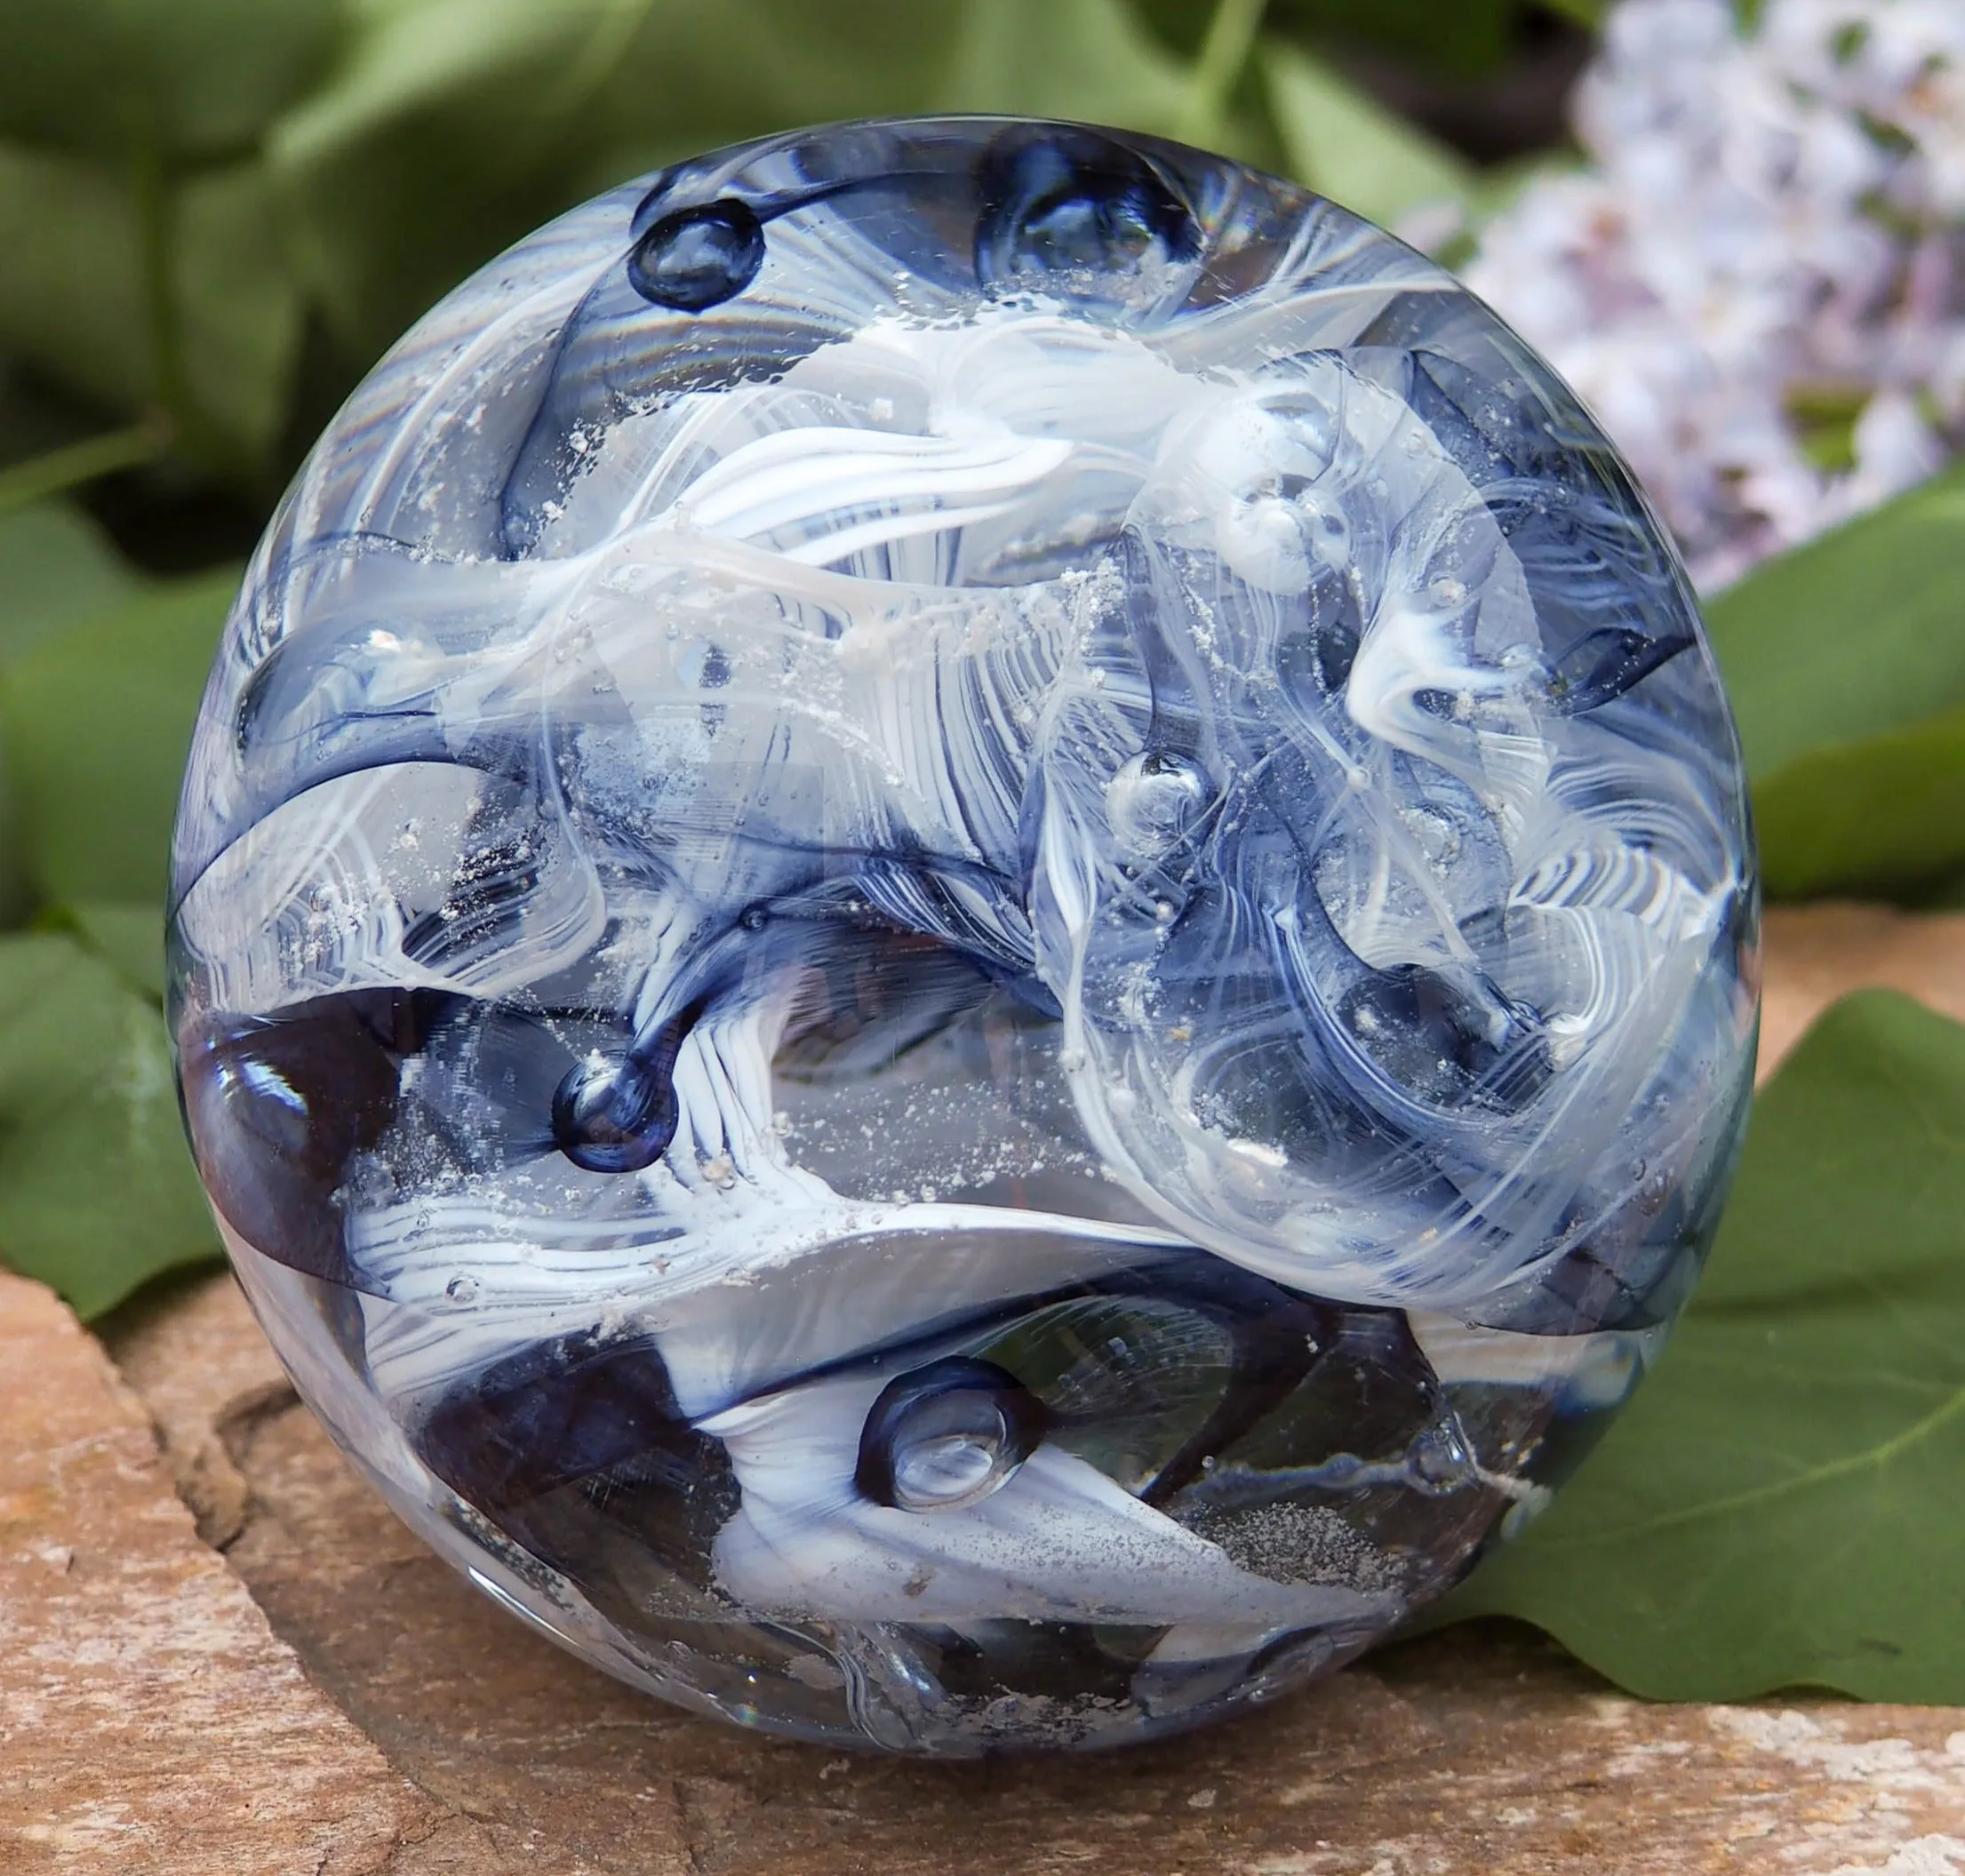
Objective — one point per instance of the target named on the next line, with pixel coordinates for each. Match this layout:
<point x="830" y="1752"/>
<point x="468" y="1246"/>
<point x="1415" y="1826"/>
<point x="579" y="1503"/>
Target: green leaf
<point x="240" y="307"/>
<point x="441" y="139"/>
<point x="1852" y="636"/>
<point x="57" y="567"/>
<point x="127" y="937"/>
<point x="1884" y="817"/>
<point x="1782" y="1504"/>
<point x="73" y="300"/>
<point x="1345" y="144"/>
<point x="674" y="90"/>
<point x="97" y="723"/>
<point x="831" y="58"/>
<point x="75" y="465"/>
<point x="1086" y="59"/>
<point x="1220" y="66"/>
<point x="1464" y="41"/>
<point x="97" y="1190"/>
<point x="451" y="128"/>
<point x="1845" y="659"/>
<point x="198" y="76"/>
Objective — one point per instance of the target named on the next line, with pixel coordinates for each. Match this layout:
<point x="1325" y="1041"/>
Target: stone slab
<point x="149" y="1718"/>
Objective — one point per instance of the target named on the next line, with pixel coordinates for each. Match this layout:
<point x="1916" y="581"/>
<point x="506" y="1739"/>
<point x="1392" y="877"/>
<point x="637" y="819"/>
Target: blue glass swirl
<point x="964" y="933"/>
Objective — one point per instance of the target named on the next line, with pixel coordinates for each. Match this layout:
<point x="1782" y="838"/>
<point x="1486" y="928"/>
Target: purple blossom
<point x="1758" y="279"/>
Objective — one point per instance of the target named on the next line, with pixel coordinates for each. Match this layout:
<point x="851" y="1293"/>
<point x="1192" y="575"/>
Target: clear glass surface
<point x="962" y="933"/>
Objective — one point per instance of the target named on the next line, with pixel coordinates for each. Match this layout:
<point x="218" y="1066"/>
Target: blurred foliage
<point x="56" y="569"/>
<point x="97" y="723"/>
<point x="1854" y="738"/>
<point x="218" y="212"/>
<point x="101" y="672"/>
<point x="1359" y="153"/>
<point x="197" y="81"/>
<point x="1462" y="39"/>
<point x="90" y="1208"/>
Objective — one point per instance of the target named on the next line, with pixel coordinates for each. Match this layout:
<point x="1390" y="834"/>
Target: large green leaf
<point x="1086" y="59"/>
<point x="57" y="567"/>
<point x="97" y="1190"/>
<point x="1342" y="142"/>
<point x="1879" y="816"/>
<point x="196" y="76"/>
<point x="1846" y="663"/>
<point x="240" y="309"/>
<point x="127" y="936"/>
<point x="71" y="294"/>
<point x="453" y="127"/>
<point x="821" y="60"/>
<point x="1784" y="1502"/>
<point x="96" y="724"/>
<point x="74" y="299"/>
<point x="420" y="158"/>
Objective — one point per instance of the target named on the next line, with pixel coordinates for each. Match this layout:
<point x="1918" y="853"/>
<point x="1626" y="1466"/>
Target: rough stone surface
<point x="150" y="1721"/>
<point x="205" y="1381"/>
<point x="150" y="1718"/>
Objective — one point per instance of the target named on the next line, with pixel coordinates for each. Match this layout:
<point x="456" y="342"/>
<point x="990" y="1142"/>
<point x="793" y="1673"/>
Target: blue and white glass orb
<point x="964" y="933"/>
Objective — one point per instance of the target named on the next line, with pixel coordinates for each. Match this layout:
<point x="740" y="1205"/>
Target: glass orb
<point x="962" y="933"/>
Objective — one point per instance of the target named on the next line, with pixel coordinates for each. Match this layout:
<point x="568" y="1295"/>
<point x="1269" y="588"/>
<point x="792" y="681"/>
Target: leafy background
<point x="217" y="212"/>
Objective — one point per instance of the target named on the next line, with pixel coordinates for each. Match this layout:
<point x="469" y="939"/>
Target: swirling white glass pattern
<point x="963" y="932"/>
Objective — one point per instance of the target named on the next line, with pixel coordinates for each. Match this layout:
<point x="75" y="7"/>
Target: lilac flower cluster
<point x="1758" y="280"/>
